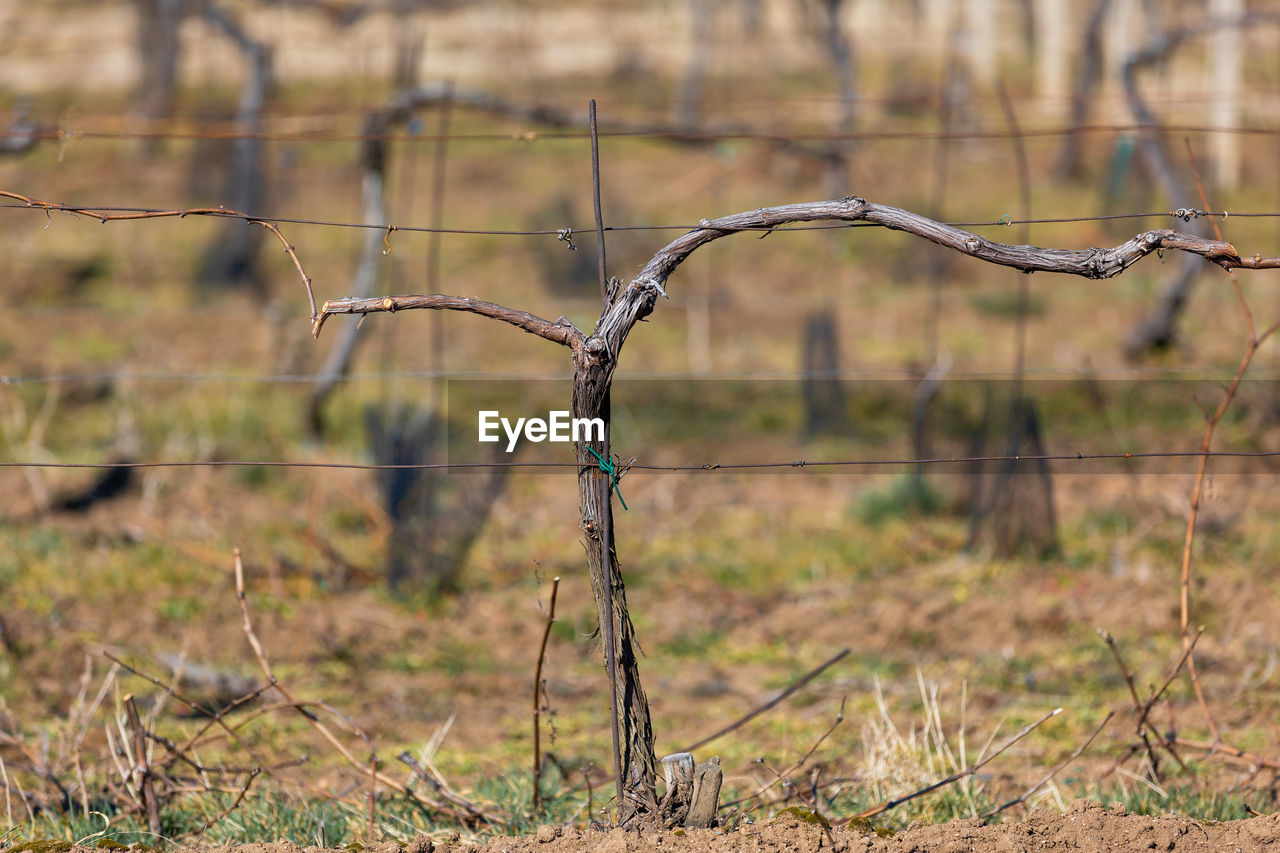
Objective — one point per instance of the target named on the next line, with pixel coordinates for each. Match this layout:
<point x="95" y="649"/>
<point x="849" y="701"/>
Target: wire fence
<point x="1133" y="372"/>
<point x="224" y="131"/>
<point x="570" y="233"/>
<point x="567" y="234"/>
<point x="677" y="468"/>
<point x="187" y="130"/>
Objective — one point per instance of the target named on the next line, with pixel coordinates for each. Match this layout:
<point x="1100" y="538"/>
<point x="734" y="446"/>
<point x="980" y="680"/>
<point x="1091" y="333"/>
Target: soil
<point x="1087" y="826"/>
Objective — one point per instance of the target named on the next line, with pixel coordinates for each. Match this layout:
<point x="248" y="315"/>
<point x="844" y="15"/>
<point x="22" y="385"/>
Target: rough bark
<point x="825" y="408"/>
<point x="232" y="259"/>
<point x="373" y="160"/>
<point x="692" y="797"/>
<point x="435" y="518"/>
<point x="158" y="50"/>
<point x="637" y="767"/>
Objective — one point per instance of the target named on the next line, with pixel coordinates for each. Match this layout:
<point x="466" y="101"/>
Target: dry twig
<point x="537" y="691"/>
<point x="954" y="777"/>
<point x="143" y="780"/>
<point x="784" y="776"/>
<point x="468" y="813"/>
<point x="218" y="719"/>
<point x="1197" y="492"/>
<point x="751" y="715"/>
<point x="1054" y="772"/>
<point x="253" y="774"/>
<point x="182" y="213"/>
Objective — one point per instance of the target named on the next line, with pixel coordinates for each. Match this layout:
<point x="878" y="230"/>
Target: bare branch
<point x="954" y="777"/>
<point x="373" y="158"/>
<point x="1229" y="753"/>
<point x="784" y="776"/>
<point x="426" y="96"/>
<point x="636" y="301"/>
<point x="253" y="774"/>
<point x="439" y="787"/>
<point x="142" y="776"/>
<point x="471" y="812"/>
<point x="1094" y="263"/>
<point x="537" y="705"/>
<point x="180" y="213"/>
<point x="751" y="715"/>
<point x="1090" y="65"/>
<point x="218" y="718"/>
<point x="1160" y="45"/>
<point x="1054" y="772"/>
<point x="560" y="332"/>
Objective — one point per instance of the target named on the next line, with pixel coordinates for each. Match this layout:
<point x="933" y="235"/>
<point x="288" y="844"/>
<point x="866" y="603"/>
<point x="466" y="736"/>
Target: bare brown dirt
<point x="1088" y="826"/>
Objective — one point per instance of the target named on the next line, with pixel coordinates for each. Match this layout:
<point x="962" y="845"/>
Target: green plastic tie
<point x="612" y="471"/>
<point x="1006" y="220"/>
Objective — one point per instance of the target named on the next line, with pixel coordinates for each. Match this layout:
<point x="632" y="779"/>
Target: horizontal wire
<point x="525" y="137"/>
<point x="960" y="460"/>
<point x="671" y="469"/>
<point x="576" y="233"/>
<point x="866" y="375"/>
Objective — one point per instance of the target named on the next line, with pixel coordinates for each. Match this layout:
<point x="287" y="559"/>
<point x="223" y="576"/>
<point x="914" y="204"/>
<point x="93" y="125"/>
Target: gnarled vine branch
<point x="560" y="332"/>
<point x="595" y="357"/>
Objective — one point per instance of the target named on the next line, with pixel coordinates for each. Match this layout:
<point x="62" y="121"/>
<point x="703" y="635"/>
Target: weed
<point x="42" y="846"/>
<point x="908" y="496"/>
<point x="806" y="816"/>
<point x="865" y="826"/>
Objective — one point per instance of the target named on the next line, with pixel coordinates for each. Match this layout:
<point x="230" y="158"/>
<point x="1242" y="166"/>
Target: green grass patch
<point x="1145" y="798"/>
<point x="907" y="496"/>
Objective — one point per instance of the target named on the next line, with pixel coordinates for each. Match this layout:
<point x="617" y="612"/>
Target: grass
<point x="346" y="665"/>
<point x="907" y="496"/>
<point x="896" y="759"/>
<point x="274" y="814"/>
<point x="277" y="817"/>
<point x="1142" y="797"/>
